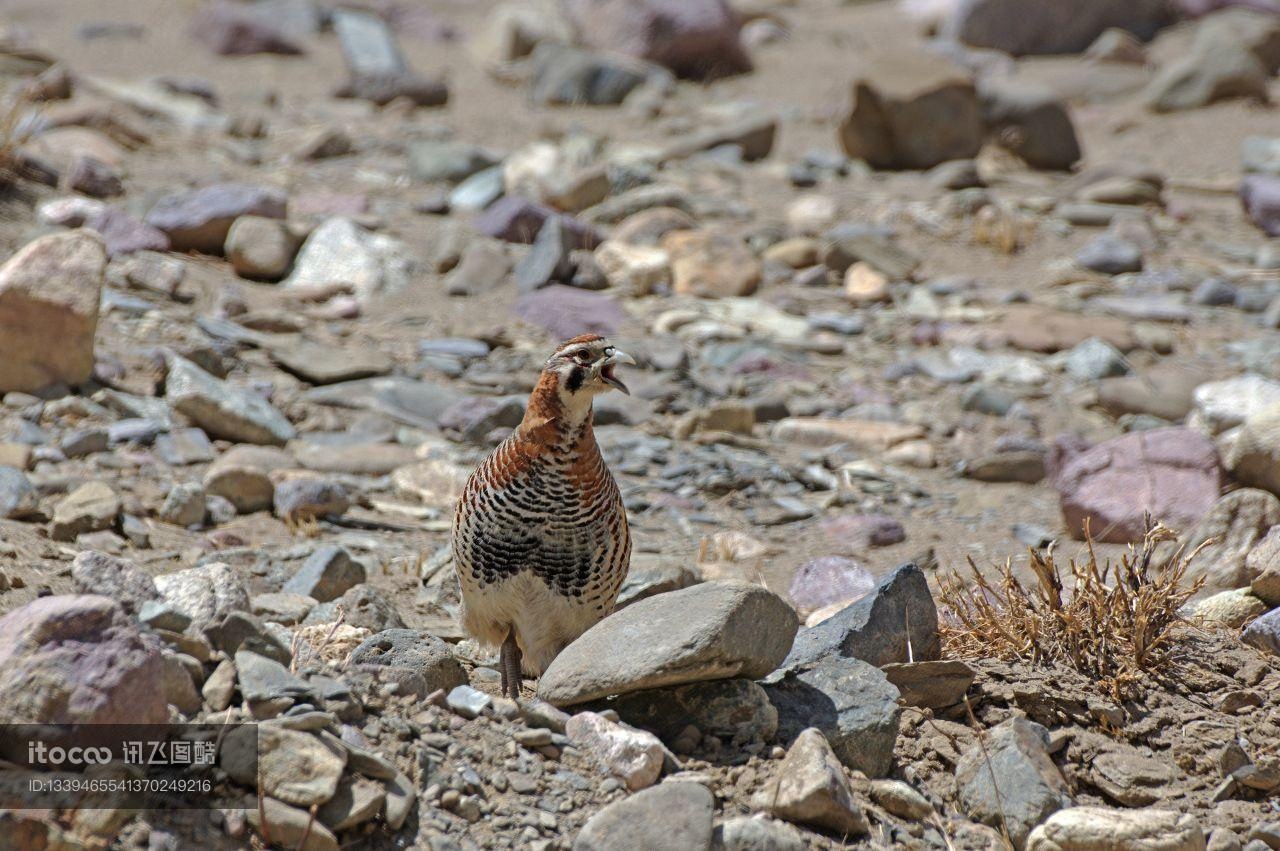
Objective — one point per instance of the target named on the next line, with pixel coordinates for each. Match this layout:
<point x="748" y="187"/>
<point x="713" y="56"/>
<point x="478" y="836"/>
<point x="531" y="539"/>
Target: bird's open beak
<point x="607" y="366"/>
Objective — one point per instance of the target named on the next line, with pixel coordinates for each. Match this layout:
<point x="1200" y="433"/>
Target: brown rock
<point x="1038" y="329"/>
<point x="49" y="295"/>
<point x="711" y="264"/>
<point x="912" y="109"/>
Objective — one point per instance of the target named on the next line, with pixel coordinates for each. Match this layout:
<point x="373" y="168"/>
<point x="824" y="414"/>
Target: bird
<point x="540" y="539"/>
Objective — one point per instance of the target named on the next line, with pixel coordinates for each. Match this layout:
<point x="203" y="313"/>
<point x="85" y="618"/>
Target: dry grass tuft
<point x="1115" y="624"/>
<point x="14" y="132"/>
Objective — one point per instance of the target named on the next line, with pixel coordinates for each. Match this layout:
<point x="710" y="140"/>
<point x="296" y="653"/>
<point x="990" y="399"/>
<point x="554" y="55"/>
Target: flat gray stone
<point x="715" y="630"/>
<point x="222" y="409"/>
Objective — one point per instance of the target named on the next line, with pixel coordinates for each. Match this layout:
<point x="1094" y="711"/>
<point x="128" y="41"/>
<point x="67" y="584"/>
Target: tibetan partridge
<point x="540" y="538"/>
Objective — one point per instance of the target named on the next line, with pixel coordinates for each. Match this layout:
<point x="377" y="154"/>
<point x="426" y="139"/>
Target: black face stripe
<point x="576" y="376"/>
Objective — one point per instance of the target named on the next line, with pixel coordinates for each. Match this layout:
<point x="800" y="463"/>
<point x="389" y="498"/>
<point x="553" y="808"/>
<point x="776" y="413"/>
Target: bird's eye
<point x="582" y="356"/>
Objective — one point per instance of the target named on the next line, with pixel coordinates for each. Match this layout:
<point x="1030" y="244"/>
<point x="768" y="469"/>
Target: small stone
<point x="864" y="285"/>
<point x="90" y="508"/>
<point x="184" y="505"/>
<point x="261" y="249"/>
<point x="223" y="409"/>
<point x="635" y="269"/>
<point x="731" y="710"/>
<point x="900" y="799"/>
<point x="1010" y="780"/>
<point x="18" y="497"/>
<point x="205" y="594"/>
<point x="468" y="702"/>
<point x="307" y="497"/>
<point x="289" y="825"/>
<point x="1095" y="359"/>
<point x="426" y="655"/>
<point x="634" y="756"/>
<point x="242" y="476"/>
<point x="326" y="575"/>
<point x="1084" y="828"/>
<point x="447" y="161"/>
<point x="811" y="789"/>
<point x="355" y="802"/>
<point x="296" y="767"/>
<point x="670" y="815"/>
<point x="1110" y="255"/>
<point x="94" y="178"/>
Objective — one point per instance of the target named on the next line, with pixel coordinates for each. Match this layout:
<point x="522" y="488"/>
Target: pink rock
<point x="826" y="580"/>
<point x="694" y="38"/>
<point x="1173" y="473"/>
<point x="633" y="756"/>
<point x="78" y="659"/>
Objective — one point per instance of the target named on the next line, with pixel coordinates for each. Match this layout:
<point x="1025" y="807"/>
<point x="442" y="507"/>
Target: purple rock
<point x="565" y="312"/>
<point x="857" y="532"/>
<point x="78" y="659"/>
<point x="199" y="219"/>
<point x="1173" y="473"/>
<point x="517" y="219"/>
<point x="822" y="581"/>
<point x="236" y="29"/>
<point x="694" y="38"/>
<point x="1260" y="196"/>
<point x="123" y="234"/>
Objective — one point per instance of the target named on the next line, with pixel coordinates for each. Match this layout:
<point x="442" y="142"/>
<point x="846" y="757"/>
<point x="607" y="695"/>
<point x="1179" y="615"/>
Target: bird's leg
<point x="510" y="664"/>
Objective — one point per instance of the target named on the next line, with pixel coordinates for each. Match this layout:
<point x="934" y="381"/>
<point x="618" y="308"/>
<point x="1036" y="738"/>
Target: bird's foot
<point x="510" y="661"/>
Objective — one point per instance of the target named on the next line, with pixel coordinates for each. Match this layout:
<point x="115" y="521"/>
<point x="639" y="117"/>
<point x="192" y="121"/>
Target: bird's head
<point x="585" y="366"/>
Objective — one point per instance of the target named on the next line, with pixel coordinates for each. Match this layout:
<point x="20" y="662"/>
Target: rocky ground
<point x="908" y="283"/>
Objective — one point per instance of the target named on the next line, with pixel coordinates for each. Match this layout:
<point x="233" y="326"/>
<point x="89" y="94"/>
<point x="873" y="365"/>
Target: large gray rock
<point x="897" y="622"/>
<point x="78" y="659"/>
<point x="912" y="110"/>
<point x="715" y="630"/>
<point x="757" y="833"/>
<point x="223" y="409"/>
<point x="49" y="296"/>
<point x="564" y="75"/>
<point x="1025" y="27"/>
<point x="851" y="702"/>
<point x="670" y="815"/>
<point x="812" y="789"/>
<point x="1011" y="780"/>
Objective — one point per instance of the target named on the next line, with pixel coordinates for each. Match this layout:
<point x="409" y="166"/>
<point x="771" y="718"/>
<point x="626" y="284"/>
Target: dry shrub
<point x="1115" y="623"/>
